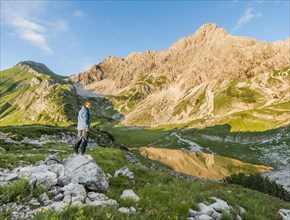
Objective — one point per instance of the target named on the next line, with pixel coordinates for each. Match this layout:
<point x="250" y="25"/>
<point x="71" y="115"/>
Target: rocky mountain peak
<point x="159" y="84"/>
<point x="210" y="29"/>
<point x="34" y="67"/>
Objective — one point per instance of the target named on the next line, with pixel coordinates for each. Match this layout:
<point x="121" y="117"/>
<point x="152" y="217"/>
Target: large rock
<point x="40" y="175"/>
<point x="126" y="210"/>
<point x="284" y="214"/>
<point x="58" y="206"/>
<point x="53" y="159"/>
<point x="129" y="194"/>
<point x="125" y="172"/>
<point x="76" y="192"/>
<point x="100" y="200"/>
<point x="87" y="172"/>
<point x="213" y="211"/>
<point x="67" y="184"/>
<point x="204" y="217"/>
<point x="220" y="205"/>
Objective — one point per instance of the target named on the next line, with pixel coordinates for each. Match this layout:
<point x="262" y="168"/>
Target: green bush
<point x="259" y="183"/>
<point x="18" y="191"/>
<point x="15" y="192"/>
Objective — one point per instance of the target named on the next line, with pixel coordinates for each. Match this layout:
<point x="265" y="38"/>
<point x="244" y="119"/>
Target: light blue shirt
<point x="83" y="118"/>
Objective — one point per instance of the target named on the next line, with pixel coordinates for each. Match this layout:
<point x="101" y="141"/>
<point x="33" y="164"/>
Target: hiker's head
<point x="88" y="104"/>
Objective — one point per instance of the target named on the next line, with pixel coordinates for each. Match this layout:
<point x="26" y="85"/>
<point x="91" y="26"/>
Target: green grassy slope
<point x="20" y="98"/>
<point x="33" y="94"/>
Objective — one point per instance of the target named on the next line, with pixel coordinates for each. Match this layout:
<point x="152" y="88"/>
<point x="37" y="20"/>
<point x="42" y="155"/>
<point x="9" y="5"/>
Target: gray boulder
<point x="58" y="197"/>
<point x="43" y="197"/>
<point x="213" y="211"/>
<point x="34" y="143"/>
<point x="125" y="172"/>
<point x="53" y="159"/>
<point x="87" y="172"/>
<point x="100" y="200"/>
<point x="39" y="175"/>
<point x="284" y="214"/>
<point x="10" y="141"/>
<point x="59" y="206"/>
<point x="193" y="213"/>
<point x="204" y="217"/>
<point x="220" y="205"/>
<point x="129" y="194"/>
<point x="58" y="169"/>
<point x="11" y="177"/>
<point x="126" y="210"/>
<point x="76" y="192"/>
<point x="204" y="209"/>
<point x="242" y="211"/>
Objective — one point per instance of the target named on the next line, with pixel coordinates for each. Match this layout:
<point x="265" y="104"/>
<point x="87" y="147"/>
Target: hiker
<point x="83" y="128"/>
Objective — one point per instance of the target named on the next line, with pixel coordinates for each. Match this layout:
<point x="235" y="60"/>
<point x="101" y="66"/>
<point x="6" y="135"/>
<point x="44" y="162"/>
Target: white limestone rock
<point x="87" y="172"/>
<point x="129" y="194"/>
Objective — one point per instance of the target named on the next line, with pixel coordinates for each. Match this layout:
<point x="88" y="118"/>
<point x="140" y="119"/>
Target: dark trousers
<point x="82" y="138"/>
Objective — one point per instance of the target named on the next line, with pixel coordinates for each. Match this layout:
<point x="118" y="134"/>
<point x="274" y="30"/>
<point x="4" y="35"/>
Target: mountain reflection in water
<point x="206" y="166"/>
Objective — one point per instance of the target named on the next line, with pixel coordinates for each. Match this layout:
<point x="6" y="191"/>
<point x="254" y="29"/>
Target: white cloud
<point x="29" y="22"/>
<point x="79" y="13"/>
<point x="36" y="39"/>
<point x="27" y="28"/>
<point x="23" y="23"/>
<point x="246" y="18"/>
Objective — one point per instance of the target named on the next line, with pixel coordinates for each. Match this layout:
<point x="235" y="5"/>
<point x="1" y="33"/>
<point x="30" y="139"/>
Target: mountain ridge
<point x="208" y="78"/>
<point x="182" y="84"/>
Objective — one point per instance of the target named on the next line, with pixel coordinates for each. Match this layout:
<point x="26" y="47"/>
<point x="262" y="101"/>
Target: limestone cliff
<point x="206" y="78"/>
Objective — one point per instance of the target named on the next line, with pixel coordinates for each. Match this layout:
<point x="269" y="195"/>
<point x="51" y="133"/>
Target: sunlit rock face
<point x="206" y="166"/>
<point x="203" y="79"/>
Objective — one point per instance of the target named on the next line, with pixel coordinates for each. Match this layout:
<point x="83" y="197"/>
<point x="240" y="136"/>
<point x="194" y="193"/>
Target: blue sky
<point x="70" y="36"/>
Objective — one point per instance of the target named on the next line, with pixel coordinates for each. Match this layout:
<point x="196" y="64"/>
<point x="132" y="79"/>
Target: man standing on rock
<point x="83" y="128"/>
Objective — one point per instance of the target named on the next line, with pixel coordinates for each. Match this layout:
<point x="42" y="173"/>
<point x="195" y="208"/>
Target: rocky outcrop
<point x="76" y="181"/>
<point x="213" y="211"/>
<point x="40" y="176"/>
<point x="284" y="214"/>
<point x="76" y="169"/>
<point x="86" y="172"/>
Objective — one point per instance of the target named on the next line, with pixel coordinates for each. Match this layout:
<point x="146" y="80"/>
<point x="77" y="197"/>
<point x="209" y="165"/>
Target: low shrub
<point x="258" y="182"/>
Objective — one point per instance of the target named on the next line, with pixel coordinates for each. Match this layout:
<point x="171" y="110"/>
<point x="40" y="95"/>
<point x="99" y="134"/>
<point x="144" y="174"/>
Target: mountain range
<point x="207" y="78"/>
